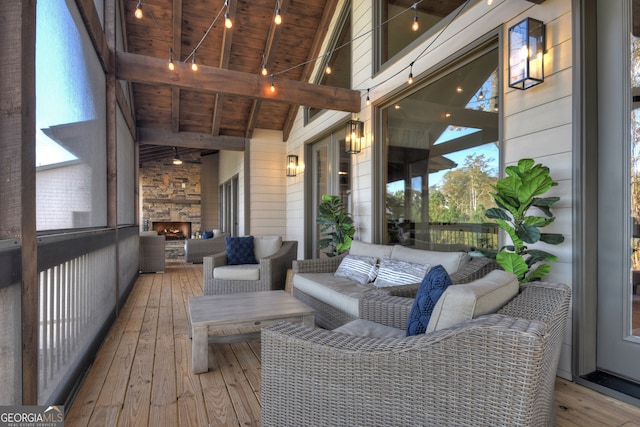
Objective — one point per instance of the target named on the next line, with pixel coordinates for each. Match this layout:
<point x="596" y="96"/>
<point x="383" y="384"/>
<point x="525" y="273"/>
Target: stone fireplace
<point x="173" y="230"/>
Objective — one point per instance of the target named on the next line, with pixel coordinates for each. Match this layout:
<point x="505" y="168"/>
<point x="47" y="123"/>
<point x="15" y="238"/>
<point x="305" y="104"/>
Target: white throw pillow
<point x="393" y="272"/>
<point x="487" y="295"/>
<point x="264" y="246"/>
<point x="361" y="269"/>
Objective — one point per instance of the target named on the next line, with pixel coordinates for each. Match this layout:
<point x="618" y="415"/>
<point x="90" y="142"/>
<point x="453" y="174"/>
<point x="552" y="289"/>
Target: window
<point x="395" y="18"/>
<point x="442" y="154"/>
<point x="71" y="189"/>
<point x="338" y="59"/>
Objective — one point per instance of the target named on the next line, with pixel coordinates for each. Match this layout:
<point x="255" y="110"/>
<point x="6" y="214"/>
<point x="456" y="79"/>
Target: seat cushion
<point x="487" y="295"/>
<point x="361" y="269"/>
<point x="394" y="272"/>
<point x="265" y="246"/>
<point x="451" y="261"/>
<point x="237" y="272"/>
<point x="367" y="328"/>
<point x="240" y="250"/>
<point x="429" y="292"/>
<point x="338" y="292"/>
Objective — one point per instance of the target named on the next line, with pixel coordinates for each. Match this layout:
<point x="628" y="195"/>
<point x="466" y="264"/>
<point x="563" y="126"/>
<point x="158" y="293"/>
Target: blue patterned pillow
<point x="240" y="250"/>
<point x="432" y="287"/>
<point x="207" y="235"/>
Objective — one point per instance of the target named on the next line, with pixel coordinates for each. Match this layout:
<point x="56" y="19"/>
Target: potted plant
<point x="516" y="194"/>
<point x="336" y="224"/>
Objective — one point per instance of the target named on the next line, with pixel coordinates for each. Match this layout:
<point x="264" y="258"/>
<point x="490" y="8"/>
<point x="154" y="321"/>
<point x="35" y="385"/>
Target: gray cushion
<point x="361" y="269"/>
<point x="451" y="261"/>
<point x="393" y="272"/>
<point x="370" y="249"/>
<point x="470" y="300"/>
<point x="237" y="272"/>
<point x="341" y="293"/>
<point x="265" y="246"/>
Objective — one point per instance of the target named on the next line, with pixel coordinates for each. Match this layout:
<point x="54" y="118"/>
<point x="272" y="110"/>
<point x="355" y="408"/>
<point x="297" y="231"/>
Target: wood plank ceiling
<point x="209" y="121"/>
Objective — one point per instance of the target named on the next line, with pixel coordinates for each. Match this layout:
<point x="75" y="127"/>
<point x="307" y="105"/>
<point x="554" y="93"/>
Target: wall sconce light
<point x="353" y="136"/>
<point x="292" y="165"/>
<point x="526" y="54"/>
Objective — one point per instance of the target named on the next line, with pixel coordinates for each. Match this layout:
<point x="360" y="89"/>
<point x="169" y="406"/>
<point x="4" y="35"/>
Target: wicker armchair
<point x="498" y="369"/>
<point x="151" y="257"/>
<point x="273" y="272"/>
<point x="195" y="249"/>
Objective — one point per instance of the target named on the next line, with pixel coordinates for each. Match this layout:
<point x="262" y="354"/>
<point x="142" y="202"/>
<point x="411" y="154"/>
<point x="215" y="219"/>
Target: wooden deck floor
<point x="142" y="374"/>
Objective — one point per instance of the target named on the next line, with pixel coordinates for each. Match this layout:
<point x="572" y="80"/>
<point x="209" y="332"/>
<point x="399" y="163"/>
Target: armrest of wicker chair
<point x="386" y="309"/>
<point x="497" y="369"/>
<point x="318" y="265"/>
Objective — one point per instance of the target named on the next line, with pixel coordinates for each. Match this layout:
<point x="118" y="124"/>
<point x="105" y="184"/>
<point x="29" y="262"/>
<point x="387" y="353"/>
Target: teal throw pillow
<point x="240" y="250"/>
<point x="431" y="289"/>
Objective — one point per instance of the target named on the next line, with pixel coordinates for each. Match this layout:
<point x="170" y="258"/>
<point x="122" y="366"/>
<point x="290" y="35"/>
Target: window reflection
<point x="442" y="158"/>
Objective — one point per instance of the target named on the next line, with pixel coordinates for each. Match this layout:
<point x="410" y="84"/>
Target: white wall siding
<point x="267" y="183"/>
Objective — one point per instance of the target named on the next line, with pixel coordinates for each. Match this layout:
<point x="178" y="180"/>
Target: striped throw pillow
<point x="361" y="269"/>
<point x="393" y="272"/>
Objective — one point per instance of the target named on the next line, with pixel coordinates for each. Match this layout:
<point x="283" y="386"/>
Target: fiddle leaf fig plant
<point x="336" y="226"/>
<point x="515" y="195"/>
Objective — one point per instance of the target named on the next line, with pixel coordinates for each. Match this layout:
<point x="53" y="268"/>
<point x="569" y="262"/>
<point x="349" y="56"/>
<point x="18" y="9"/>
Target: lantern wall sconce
<point x="526" y="54"/>
<point x="292" y="165"/>
<point x="354" y="133"/>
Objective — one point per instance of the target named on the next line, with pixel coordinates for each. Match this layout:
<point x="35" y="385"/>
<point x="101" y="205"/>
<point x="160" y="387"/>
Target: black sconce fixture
<point x="353" y="136"/>
<point x="292" y="165"/>
<point x="526" y="54"/>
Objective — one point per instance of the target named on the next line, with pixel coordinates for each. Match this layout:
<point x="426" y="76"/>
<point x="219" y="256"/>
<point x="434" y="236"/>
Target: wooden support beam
<point x="202" y="141"/>
<point x="177" y="57"/>
<point x="225" y="55"/>
<point x="149" y="70"/>
<point x="87" y="9"/>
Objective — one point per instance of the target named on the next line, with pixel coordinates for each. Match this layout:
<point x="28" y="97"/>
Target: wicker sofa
<point x="497" y="369"/>
<point x="336" y="300"/>
<point x="151" y="256"/>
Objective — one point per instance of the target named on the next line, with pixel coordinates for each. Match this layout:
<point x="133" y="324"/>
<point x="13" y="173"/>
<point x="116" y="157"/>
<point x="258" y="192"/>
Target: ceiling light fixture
<point x="176" y="159"/>
<point x="138" y="13"/>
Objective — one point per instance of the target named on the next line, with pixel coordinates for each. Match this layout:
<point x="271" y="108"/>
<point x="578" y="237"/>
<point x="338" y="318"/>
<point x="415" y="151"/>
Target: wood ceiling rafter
<point x="321" y="34"/>
<point x="272" y="39"/>
<point x="177" y="56"/>
<point x="225" y="55"/>
<point x="153" y="71"/>
<point x="203" y="141"/>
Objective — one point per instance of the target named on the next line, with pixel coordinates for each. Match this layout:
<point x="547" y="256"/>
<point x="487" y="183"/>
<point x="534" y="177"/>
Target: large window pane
<point x="395" y="22"/>
<point x="442" y="158"/>
<point x="70" y="121"/>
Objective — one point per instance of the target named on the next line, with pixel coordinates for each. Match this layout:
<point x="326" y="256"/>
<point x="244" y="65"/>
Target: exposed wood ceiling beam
<point x="314" y="52"/>
<point x="190" y="140"/>
<point x="227" y="38"/>
<point x="272" y="39"/>
<point x="177" y="56"/>
<point x="149" y="70"/>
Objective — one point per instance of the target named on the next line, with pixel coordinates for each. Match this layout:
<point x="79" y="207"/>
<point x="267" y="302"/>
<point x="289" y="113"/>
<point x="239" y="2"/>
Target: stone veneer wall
<point x="170" y="193"/>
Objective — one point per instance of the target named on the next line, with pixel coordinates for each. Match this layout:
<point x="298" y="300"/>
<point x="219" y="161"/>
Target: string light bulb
<point x="459" y="89"/>
<point x="327" y="68"/>
<point x="415" y="24"/>
<point x="264" y="71"/>
<point x="480" y="95"/>
<point x="410" y="79"/>
<point x="278" y="18"/>
<point x="227" y="18"/>
<point x="194" y="65"/>
<point x="272" y="88"/>
<point x="368" y="99"/>
<point x="138" y="13"/>
<point x="171" y="65"/>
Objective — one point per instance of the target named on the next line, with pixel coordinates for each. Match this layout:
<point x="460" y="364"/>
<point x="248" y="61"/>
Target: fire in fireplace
<point x="173" y="230"/>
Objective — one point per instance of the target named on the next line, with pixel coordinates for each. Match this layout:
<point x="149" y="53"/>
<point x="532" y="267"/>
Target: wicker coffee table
<point x="212" y="313"/>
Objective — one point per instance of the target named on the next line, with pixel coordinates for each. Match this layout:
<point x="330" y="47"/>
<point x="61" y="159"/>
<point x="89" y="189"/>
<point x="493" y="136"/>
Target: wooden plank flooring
<point x="142" y="373"/>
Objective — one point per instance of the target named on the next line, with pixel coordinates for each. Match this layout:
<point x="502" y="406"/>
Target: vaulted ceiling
<point x="221" y="104"/>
